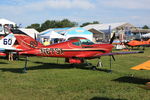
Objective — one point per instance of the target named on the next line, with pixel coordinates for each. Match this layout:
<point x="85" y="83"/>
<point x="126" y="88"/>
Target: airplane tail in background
<point x="8" y="41"/>
<point x="26" y="42"/>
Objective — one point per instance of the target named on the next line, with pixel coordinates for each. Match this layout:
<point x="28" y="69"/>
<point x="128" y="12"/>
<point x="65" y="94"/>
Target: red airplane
<point x="75" y="50"/>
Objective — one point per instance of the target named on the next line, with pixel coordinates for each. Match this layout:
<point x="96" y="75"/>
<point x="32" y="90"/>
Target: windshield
<point x="86" y="42"/>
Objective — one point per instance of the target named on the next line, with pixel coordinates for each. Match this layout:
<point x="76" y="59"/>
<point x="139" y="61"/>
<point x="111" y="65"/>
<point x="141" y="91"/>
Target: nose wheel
<point x="99" y="63"/>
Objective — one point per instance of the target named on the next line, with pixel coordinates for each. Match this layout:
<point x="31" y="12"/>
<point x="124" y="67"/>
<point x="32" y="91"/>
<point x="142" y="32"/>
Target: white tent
<point x="146" y="35"/>
<point x="5" y="21"/>
<point x="30" y="31"/>
<point x="49" y="35"/>
<point x="102" y="27"/>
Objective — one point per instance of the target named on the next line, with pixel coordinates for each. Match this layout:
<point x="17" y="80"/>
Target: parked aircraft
<point x="136" y="43"/>
<point x="75" y="50"/>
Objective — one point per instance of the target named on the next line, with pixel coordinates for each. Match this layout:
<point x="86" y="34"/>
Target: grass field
<point x="47" y="80"/>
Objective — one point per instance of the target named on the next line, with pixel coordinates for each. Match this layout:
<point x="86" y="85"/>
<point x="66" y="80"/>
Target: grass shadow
<point x="50" y="66"/>
<point x="14" y="70"/>
<point x="134" y="80"/>
<point x="3" y="63"/>
<point x="44" y="65"/>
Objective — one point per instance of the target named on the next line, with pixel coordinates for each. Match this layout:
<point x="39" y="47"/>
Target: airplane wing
<point x="118" y="53"/>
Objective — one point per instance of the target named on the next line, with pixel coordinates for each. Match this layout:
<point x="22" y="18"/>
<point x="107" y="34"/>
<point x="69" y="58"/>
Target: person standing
<point x="10" y="56"/>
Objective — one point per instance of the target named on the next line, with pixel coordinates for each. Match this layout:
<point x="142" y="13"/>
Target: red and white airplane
<point x="139" y="43"/>
<point x="75" y="50"/>
<point x="136" y="43"/>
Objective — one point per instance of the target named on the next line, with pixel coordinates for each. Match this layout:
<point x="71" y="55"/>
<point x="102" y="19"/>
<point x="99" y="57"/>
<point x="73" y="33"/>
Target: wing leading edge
<point x="119" y="53"/>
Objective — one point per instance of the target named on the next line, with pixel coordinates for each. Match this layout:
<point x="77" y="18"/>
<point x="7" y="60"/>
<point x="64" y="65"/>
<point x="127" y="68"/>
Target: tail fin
<point x="27" y="42"/>
<point x="7" y="41"/>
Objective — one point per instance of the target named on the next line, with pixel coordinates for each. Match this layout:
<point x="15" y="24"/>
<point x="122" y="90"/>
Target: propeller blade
<point x="35" y="36"/>
<point x="113" y="57"/>
<point x="112" y="39"/>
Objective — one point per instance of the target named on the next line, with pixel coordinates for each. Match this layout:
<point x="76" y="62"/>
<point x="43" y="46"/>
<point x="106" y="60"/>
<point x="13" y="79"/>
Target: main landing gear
<point x="25" y="66"/>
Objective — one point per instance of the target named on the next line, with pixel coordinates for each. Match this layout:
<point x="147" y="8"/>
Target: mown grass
<point x="47" y="80"/>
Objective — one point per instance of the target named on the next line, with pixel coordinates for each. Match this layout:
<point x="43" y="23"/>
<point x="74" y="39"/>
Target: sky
<point x="27" y="12"/>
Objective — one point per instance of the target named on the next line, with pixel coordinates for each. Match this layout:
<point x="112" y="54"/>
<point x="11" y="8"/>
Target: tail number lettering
<point x="52" y="51"/>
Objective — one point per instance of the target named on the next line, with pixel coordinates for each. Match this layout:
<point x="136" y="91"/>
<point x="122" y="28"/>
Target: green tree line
<point x="62" y="24"/>
<point x="57" y="24"/>
<point x="52" y="24"/>
<point x="145" y="27"/>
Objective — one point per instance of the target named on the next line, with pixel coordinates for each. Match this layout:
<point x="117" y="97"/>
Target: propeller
<point x="35" y="36"/>
<point x="112" y="56"/>
<point x="112" y="39"/>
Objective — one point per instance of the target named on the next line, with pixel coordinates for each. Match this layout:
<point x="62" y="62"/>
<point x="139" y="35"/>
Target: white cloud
<point x="30" y="11"/>
<point x="61" y="4"/>
<point x="130" y="4"/>
<point x="22" y="7"/>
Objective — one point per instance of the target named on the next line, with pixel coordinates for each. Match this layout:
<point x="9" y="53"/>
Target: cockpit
<point x="86" y="42"/>
<point x="82" y="42"/>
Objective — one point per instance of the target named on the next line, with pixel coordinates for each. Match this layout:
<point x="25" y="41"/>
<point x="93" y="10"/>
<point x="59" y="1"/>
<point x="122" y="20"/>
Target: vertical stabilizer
<point x="27" y="42"/>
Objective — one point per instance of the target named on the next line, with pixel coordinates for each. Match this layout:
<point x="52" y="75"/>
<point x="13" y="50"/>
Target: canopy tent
<point x="61" y="31"/>
<point x="50" y="34"/>
<point x="146" y="35"/>
<point x="66" y="33"/>
<point x="110" y="28"/>
<point x="107" y="28"/>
